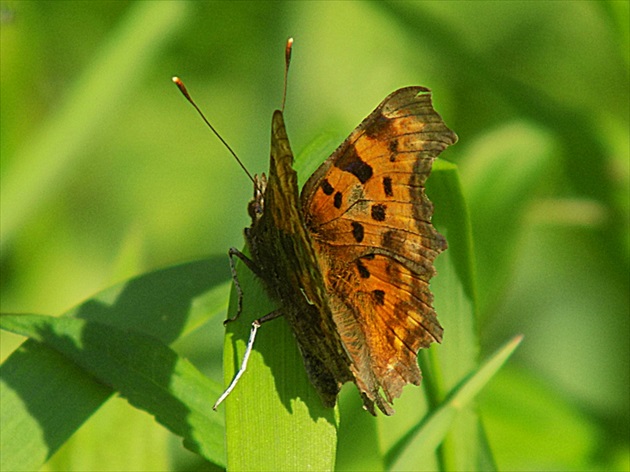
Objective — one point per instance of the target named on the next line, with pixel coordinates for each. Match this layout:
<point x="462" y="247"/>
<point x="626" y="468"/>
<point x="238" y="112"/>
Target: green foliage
<point x="138" y="367"/>
<point x="274" y="402"/>
<point x="106" y="176"/>
<point x="125" y="351"/>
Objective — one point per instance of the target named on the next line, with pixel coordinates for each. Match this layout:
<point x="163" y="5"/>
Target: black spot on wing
<point x="379" y="297"/>
<point x="364" y="273"/>
<point x="387" y="186"/>
<point x="378" y="212"/>
<point x="338" y="200"/>
<point x="326" y="187"/>
<point x="351" y="162"/>
<point x="357" y="231"/>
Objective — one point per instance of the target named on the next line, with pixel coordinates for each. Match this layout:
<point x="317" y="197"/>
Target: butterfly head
<point x="256" y="205"/>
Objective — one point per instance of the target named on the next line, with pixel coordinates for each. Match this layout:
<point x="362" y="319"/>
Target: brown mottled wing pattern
<point x="370" y="224"/>
<point x="287" y="264"/>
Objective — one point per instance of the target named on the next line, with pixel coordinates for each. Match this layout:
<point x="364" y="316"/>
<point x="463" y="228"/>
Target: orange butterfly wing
<point x="370" y="224"/>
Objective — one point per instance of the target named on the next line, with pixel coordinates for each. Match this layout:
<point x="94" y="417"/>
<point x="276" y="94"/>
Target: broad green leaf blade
<point x="435" y="428"/>
<point x="44" y="399"/>
<point x="144" y="370"/>
<point x="455" y="300"/>
<point x="274" y="418"/>
<point x="35" y="380"/>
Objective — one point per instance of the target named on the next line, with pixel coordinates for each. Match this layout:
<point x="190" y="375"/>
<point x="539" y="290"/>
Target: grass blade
<point x="425" y="441"/>
<point x="274" y="418"/>
<point x="455" y="302"/>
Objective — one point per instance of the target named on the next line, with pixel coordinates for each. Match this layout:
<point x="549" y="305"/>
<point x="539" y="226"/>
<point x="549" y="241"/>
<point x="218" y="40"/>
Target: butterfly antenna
<point x="184" y="91"/>
<point x="287" y="61"/>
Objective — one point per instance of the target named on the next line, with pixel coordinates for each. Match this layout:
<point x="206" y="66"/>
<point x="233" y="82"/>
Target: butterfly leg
<point x="248" y="350"/>
<point x="252" y="266"/>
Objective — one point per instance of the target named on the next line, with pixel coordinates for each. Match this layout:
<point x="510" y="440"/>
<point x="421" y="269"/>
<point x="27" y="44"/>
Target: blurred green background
<point x="108" y="173"/>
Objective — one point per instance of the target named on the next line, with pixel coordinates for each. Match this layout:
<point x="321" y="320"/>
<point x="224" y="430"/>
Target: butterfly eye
<point x="255" y="208"/>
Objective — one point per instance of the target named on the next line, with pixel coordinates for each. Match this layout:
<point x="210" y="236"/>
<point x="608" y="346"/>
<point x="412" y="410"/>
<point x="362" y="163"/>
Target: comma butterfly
<point x="349" y="259"/>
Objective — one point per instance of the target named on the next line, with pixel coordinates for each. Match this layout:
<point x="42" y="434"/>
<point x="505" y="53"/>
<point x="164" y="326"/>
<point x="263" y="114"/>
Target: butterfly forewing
<point x="369" y="219"/>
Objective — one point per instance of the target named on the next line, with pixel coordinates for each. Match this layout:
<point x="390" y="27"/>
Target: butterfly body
<point x="282" y="250"/>
<point x="349" y="260"/>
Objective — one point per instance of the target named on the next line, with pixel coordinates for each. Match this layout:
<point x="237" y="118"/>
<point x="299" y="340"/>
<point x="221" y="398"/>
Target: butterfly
<point x="349" y="258"/>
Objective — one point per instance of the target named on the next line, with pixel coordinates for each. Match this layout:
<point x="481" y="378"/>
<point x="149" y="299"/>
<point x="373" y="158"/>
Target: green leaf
<point x="432" y="431"/>
<point x="141" y="368"/>
<point x="274" y="418"/>
<point x="36" y="407"/>
<point x="38" y="413"/>
<point x="455" y="302"/>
